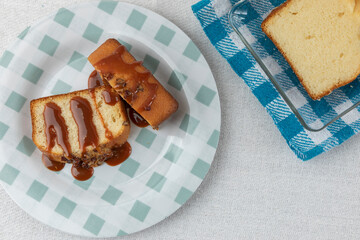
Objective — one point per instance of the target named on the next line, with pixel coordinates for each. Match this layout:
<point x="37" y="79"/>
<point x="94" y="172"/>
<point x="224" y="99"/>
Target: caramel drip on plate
<point x="55" y="128"/>
<point x="83" y="116"/>
<point x="51" y="164"/>
<point x="120" y="154"/>
<point x="116" y="64"/>
<point x="137" y="119"/>
<point x="80" y="173"/>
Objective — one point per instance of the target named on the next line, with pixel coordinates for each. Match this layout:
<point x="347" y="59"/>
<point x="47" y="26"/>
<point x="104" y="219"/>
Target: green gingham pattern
<point x="166" y="166"/>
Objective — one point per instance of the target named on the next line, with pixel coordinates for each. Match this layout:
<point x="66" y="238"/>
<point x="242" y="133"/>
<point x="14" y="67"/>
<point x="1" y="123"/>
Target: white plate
<point x="166" y="166"/>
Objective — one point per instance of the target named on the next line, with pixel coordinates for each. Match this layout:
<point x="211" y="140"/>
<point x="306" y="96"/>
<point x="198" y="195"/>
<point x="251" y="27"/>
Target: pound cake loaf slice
<point x="134" y="83"/>
<point x="80" y="126"/>
<point x="320" y="40"/>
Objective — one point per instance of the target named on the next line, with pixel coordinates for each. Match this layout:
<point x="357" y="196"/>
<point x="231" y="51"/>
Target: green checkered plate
<point x="165" y="167"/>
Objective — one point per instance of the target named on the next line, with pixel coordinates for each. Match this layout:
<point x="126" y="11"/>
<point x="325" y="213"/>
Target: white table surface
<point x="256" y="187"/>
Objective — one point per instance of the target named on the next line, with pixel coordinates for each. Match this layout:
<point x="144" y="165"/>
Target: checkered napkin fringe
<point x="213" y="17"/>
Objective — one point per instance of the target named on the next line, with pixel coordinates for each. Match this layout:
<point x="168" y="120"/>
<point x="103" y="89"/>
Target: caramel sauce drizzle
<point x="55" y="128"/>
<point x="110" y="97"/>
<point x="80" y="173"/>
<point x="116" y="64"/>
<point x="51" y="164"/>
<point x="137" y="119"/>
<point x="120" y="154"/>
<point x="94" y="81"/>
<point x="83" y="116"/>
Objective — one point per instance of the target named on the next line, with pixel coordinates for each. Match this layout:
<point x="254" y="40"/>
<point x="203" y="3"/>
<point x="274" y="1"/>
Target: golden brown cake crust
<point x="162" y="106"/>
<point x="278" y="46"/>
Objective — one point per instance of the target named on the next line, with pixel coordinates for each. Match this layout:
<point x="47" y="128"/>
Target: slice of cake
<point x="82" y="126"/>
<point x="320" y="40"/>
<point x="134" y="83"/>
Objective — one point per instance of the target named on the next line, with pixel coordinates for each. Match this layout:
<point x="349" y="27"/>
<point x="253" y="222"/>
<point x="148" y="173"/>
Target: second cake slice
<point x="135" y="84"/>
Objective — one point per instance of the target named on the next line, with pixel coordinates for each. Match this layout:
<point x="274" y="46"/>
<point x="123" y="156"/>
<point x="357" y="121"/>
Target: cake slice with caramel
<point x="82" y="127"/>
<point x="134" y="83"/>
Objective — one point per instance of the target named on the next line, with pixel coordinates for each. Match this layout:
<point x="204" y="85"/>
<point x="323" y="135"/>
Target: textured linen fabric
<point x="256" y="187"/>
<point x="213" y="17"/>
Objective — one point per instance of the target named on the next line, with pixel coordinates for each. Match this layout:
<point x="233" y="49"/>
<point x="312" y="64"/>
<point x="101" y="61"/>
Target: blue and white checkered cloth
<point x="213" y="17"/>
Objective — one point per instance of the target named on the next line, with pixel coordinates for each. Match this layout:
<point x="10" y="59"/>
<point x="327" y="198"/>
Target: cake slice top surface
<point x="74" y="123"/>
<point x="320" y="40"/>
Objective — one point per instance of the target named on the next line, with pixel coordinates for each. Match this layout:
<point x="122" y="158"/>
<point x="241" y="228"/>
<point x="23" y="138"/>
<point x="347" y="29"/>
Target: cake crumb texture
<point x="320" y="40"/>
